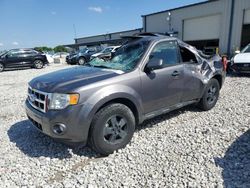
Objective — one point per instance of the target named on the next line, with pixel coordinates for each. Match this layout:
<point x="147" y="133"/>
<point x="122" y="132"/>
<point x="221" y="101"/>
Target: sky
<point x="31" y="23"/>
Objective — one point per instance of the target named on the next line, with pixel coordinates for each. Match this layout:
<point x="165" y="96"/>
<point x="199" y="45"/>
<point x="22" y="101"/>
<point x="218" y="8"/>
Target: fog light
<point x="59" y="129"/>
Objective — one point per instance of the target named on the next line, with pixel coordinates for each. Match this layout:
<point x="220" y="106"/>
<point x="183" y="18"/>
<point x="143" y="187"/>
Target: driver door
<point x="162" y="88"/>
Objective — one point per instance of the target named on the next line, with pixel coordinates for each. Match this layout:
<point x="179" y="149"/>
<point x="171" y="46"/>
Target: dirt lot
<point x="185" y="148"/>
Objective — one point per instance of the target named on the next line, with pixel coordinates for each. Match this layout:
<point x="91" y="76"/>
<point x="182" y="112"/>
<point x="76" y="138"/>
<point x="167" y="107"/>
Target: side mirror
<point x="154" y="64"/>
<point x="237" y="52"/>
<point x="7" y="56"/>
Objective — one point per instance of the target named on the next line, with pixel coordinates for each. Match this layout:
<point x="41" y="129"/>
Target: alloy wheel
<point x="115" y="130"/>
<point x="38" y="64"/>
<point x="1" y="67"/>
<point x="81" y="61"/>
<point x="212" y="94"/>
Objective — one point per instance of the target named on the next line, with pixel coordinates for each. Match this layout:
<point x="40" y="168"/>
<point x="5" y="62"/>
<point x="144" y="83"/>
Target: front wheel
<point x="38" y="64"/>
<point x="1" y="67"/>
<point x="81" y="61"/>
<point x="210" y="96"/>
<point x="112" y="128"/>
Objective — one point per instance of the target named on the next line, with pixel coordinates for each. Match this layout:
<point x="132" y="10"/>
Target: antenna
<point x="74" y="27"/>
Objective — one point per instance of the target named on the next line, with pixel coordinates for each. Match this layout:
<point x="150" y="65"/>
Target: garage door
<point x="247" y="17"/>
<point x="203" y="28"/>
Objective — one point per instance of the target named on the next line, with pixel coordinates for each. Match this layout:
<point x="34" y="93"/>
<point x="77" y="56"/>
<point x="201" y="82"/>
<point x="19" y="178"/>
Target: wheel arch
<point x="218" y="78"/>
<point x="125" y="101"/>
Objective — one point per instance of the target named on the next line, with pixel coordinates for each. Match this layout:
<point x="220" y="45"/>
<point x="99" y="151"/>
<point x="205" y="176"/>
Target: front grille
<point x="37" y="99"/>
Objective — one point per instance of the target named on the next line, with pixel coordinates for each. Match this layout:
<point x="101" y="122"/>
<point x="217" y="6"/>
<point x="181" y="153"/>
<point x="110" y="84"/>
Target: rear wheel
<point x="210" y="96"/>
<point x="38" y="64"/>
<point x="1" y="67"/>
<point x="81" y="61"/>
<point x="112" y="128"/>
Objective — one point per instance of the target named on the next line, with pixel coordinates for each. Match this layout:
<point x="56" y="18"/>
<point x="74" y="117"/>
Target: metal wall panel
<point x="203" y="28"/>
<point x="247" y="17"/>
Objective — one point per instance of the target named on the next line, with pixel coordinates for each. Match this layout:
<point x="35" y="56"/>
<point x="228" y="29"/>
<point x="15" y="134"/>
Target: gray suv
<point x="101" y="103"/>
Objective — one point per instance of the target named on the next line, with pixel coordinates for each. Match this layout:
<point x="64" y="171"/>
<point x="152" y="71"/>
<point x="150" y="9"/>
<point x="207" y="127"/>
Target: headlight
<point x="61" y="101"/>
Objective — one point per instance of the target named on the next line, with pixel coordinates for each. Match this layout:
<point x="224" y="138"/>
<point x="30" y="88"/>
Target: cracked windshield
<point x="125" y="58"/>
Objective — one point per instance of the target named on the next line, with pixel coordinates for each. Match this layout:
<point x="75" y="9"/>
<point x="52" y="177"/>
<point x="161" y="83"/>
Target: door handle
<point x="175" y="73"/>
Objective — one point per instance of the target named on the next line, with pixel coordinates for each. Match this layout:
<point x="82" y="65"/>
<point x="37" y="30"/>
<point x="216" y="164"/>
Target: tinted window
<point x="15" y="53"/>
<point x="167" y="51"/>
<point x="30" y="52"/>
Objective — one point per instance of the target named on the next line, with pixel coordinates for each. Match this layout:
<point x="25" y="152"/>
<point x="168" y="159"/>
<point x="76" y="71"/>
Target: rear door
<point x="162" y="88"/>
<point x="193" y="85"/>
<point x="28" y="57"/>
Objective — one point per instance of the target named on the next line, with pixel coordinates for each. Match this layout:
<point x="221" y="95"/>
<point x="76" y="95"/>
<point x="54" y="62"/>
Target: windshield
<point x="246" y="49"/>
<point x="3" y="52"/>
<point x="126" y="57"/>
<point x="107" y="50"/>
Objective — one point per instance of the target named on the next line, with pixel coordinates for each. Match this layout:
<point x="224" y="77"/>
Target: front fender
<point x="107" y="94"/>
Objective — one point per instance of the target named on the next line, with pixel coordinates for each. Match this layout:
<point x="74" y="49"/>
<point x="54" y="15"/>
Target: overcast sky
<point x="30" y="23"/>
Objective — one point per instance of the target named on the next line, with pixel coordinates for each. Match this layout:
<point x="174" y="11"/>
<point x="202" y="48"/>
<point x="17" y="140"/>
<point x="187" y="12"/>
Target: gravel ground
<point x="185" y="148"/>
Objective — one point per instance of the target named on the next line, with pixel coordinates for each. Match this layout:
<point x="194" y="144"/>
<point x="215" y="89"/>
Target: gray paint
<point x="151" y="93"/>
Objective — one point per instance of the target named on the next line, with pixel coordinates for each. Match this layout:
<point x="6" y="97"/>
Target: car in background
<point x="22" y="58"/>
<point x="49" y="57"/>
<point x="81" y="57"/>
<point x="60" y="55"/>
<point x="240" y="63"/>
<point x="105" y="53"/>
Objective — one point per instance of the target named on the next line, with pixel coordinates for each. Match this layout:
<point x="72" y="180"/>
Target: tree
<point x="43" y="49"/>
<point x="60" y="48"/>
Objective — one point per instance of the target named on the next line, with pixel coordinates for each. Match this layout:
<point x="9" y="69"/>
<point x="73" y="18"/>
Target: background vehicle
<point x="81" y="57"/>
<point x="49" y="57"/>
<point x="22" y="58"/>
<point x="240" y="63"/>
<point x="101" y="103"/>
<point x="105" y="53"/>
<point x="60" y="55"/>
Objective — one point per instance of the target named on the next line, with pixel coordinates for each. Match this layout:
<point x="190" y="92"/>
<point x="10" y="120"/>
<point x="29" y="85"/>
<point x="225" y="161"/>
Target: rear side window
<point x="187" y="56"/>
<point x="167" y="51"/>
<point x="30" y="52"/>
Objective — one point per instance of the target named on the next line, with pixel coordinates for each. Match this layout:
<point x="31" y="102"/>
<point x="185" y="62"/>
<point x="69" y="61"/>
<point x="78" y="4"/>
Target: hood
<point x="68" y="80"/>
<point x="242" y="58"/>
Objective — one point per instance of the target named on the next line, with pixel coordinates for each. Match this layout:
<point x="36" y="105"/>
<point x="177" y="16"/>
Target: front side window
<point x="167" y="52"/>
<point x="14" y="53"/>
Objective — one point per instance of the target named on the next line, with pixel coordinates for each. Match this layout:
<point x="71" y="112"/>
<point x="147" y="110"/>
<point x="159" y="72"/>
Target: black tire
<point x="210" y="96"/>
<point x="1" y="67"/>
<point x="81" y="61"/>
<point x="105" y="137"/>
<point x="38" y="64"/>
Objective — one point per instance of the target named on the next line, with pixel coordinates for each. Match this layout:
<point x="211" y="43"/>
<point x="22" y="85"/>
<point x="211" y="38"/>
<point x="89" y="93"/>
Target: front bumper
<point x="240" y="67"/>
<point x="76" y="132"/>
